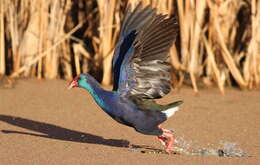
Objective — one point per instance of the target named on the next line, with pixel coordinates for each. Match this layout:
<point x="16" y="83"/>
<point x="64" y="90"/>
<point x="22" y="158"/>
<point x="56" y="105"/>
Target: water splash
<point x="185" y="147"/>
<point x="232" y="149"/>
<point x="228" y="149"/>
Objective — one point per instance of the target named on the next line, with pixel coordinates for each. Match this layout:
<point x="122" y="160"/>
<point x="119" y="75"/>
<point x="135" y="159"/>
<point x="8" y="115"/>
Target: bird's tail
<point x="172" y="105"/>
<point x="171" y="108"/>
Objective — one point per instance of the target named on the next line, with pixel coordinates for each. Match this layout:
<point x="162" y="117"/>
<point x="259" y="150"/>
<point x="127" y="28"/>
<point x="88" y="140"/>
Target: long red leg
<point x="170" y="140"/>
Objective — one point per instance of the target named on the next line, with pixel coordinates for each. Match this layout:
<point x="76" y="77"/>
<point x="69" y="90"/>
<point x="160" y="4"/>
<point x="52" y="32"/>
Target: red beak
<point x="73" y="83"/>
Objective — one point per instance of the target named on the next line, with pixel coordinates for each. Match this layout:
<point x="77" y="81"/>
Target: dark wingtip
<point x="176" y="103"/>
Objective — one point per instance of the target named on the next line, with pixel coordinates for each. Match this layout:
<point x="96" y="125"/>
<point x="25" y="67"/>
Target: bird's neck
<point x="97" y="92"/>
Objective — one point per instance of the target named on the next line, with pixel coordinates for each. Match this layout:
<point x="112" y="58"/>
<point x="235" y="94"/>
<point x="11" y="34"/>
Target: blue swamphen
<point x="141" y="74"/>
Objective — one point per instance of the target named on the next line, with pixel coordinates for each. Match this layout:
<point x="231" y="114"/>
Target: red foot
<point x="166" y="139"/>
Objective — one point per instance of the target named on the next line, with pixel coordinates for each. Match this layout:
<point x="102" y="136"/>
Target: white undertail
<point x="170" y="112"/>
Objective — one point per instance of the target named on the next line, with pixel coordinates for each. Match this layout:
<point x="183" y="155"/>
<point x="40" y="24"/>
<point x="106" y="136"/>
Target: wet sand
<point x="41" y="122"/>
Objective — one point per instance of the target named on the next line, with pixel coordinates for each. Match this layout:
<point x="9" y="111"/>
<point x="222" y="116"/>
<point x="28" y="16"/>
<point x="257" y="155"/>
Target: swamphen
<point x="141" y="74"/>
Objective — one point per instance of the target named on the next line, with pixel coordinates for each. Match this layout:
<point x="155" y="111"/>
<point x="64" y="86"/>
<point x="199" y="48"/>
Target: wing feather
<point x="144" y="71"/>
<point x="133" y="21"/>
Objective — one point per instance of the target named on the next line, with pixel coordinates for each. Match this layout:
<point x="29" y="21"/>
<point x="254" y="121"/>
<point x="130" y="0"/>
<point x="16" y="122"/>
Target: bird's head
<point x="78" y="81"/>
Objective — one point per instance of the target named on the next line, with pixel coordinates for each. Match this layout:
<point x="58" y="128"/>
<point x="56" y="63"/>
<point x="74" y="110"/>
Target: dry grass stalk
<point x="208" y="40"/>
<point x="42" y="37"/>
<point x="44" y="53"/>
<point x="252" y="63"/>
<point x="195" y="65"/>
<point x="55" y="30"/>
<point x="79" y="50"/>
<point x="212" y="64"/>
<point x="223" y="24"/>
<point x="66" y="61"/>
<point x="107" y="10"/>
<point x="14" y="30"/>
<point x="2" y="41"/>
<point x="191" y="18"/>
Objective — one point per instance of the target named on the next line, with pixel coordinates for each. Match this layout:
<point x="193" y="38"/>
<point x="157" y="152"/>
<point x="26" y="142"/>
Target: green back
<point x="150" y="104"/>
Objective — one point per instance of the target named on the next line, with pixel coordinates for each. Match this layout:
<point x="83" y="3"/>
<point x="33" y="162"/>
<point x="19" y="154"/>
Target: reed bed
<point x="218" y="43"/>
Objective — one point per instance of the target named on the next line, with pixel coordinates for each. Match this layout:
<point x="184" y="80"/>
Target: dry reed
<point x="218" y="41"/>
<point x="2" y="41"/>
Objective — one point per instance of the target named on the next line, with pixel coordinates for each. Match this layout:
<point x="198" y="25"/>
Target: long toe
<point x="168" y="140"/>
<point x="169" y="149"/>
<point x="162" y="140"/>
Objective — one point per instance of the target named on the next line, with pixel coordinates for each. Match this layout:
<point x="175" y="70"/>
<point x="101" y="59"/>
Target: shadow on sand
<point x="59" y="133"/>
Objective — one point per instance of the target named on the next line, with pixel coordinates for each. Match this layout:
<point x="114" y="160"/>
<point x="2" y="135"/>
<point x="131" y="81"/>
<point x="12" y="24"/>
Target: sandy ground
<point x="41" y="122"/>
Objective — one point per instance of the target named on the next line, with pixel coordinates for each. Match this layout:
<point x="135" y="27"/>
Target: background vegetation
<point x="218" y="43"/>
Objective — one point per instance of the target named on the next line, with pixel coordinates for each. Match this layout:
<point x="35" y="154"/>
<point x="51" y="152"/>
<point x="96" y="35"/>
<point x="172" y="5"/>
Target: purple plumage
<point x="141" y="73"/>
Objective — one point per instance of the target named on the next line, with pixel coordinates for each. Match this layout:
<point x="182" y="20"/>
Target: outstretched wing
<point x="141" y="67"/>
<point x="132" y="23"/>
